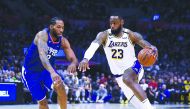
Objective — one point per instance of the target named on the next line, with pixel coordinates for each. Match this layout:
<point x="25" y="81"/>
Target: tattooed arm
<point x="137" y="38"/>
<point x="41" y="42"/>
<point x="99" y="40"/>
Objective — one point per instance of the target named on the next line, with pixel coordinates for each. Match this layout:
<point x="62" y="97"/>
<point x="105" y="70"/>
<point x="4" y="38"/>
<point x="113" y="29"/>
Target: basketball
<point x="146" y="57"/>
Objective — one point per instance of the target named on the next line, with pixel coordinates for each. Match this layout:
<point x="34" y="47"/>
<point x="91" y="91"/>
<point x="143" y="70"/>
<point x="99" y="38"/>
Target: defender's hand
<point x="57" y="81"/>
<point x="71" y="68"/>
<point x="55" y="77"/>
<point x="83" y="65"/>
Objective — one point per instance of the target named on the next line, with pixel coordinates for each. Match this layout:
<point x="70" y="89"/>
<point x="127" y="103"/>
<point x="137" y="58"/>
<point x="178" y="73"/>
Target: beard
<point x="116" y="31"/>
<point x="54" y="33"/>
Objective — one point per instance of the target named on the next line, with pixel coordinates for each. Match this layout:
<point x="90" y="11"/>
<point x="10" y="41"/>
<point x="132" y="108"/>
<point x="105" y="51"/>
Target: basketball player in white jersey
<point x="118" y="43"/>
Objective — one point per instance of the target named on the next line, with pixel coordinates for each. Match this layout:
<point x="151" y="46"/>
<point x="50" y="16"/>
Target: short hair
<point x="54" y="19"/>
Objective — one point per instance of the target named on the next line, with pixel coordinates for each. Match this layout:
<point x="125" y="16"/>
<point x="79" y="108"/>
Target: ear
<point x="51" y="26"/>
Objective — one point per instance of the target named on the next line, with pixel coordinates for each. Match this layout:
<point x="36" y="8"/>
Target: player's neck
<point x="119" y="35"/>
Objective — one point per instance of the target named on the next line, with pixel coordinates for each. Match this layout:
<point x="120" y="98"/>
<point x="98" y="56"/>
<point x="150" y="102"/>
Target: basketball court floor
<point x="93" y="106"/>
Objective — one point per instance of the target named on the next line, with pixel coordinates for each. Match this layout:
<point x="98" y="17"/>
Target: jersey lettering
<point x="117" y="44"/>
<point x="51" y="52"/>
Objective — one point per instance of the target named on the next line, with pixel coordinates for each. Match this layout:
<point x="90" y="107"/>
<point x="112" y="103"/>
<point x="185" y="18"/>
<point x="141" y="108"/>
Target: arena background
<point x="164" y="23"/>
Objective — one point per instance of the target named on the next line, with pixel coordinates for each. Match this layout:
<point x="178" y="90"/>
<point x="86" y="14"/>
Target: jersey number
<point x="48" y="56"/>
<point x="117" y="53"/>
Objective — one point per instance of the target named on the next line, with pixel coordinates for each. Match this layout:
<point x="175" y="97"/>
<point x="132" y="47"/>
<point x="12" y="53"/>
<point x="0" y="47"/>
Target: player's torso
<point x="120" y="51"/>
<point x="32" y="59"/>
<point x="53" y="48"/>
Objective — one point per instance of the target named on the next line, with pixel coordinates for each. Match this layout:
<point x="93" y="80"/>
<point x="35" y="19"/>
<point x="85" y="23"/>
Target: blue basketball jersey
<point x="32" y="59"/>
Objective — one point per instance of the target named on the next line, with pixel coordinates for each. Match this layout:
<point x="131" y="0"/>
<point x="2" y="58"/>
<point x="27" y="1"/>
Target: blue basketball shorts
<point x="38" y="83"/>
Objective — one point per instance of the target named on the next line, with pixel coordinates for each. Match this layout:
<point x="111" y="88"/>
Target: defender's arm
<point x="41" y="42"/>
<point x="70" y="55"/>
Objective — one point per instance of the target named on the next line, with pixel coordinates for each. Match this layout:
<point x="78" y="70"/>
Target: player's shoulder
<point x="126" y="30"/>
<point x="64" y="42"/>
<point x="129" y="32"/>
<point x="108" y="31"/>
<point x="103" y="34"/>
<point x="102" y="37"/>
<point x="64" y="39"/>
<point x="42" y="34"/>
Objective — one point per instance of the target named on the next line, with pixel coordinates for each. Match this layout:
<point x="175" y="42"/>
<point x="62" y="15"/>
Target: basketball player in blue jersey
<point x="118" y="43"/>
<point x="39" y="74"/>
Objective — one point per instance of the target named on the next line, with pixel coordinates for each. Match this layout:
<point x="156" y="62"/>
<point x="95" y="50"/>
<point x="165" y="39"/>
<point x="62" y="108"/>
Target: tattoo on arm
<point x="43" y="51"/>
<point x="138" y="39"/>
<point x="101" y="38"/>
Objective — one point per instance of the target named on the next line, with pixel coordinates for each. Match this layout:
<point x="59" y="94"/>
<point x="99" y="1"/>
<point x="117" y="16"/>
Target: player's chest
<point x="121" y="43"/>
<point x="53" y="48"/>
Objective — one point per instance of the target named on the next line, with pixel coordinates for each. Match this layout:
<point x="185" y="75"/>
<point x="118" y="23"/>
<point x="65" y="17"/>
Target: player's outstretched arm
<point x="138" y="39"/>
<point x="41" y="42"/>
<point x="100" y="39"/>
<point x="70" y="55"/>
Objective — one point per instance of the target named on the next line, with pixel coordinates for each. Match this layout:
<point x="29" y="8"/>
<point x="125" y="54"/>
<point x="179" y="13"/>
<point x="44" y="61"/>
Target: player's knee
<point x="58" y="87"/>
<point x="128" y="81"/>
<point x="43" y="103"/>
<point x="60" y="90"/>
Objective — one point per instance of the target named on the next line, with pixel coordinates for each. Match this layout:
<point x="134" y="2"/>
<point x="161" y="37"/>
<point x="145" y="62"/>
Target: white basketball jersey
<point x="120" y="52"/>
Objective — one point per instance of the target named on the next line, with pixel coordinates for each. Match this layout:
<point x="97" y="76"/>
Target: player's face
<point x="58" y="28"/>
<point x="116" y="25"/>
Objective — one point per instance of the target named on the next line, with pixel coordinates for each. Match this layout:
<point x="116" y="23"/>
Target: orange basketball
<point x="146" y="57"/>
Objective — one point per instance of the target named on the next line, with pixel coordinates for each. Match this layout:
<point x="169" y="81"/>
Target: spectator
<point x="101" y="94"/>
<point x="171" y="89"/>
<point x="151" y="94"/>
<point x="103" y="79"/>
<point x="187" y="90"/>
<point x="116" y="94"/>
<point x="143" y="84"/>
<point x="163" y="95"/>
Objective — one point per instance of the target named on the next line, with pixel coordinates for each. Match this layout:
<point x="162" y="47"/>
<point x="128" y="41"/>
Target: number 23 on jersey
<point x="117" y="53"/>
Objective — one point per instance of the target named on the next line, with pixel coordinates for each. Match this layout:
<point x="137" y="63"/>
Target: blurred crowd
<point x="168" y="81"/>
<point x="100" y="88"/>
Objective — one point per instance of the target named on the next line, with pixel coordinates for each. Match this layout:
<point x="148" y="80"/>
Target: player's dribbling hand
<point x="71" y="68"/>
<point x="83" y="65"/>
<point x="154" y="50"/>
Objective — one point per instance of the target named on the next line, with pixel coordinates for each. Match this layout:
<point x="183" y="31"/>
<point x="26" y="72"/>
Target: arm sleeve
<point x="91" y="50"/>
